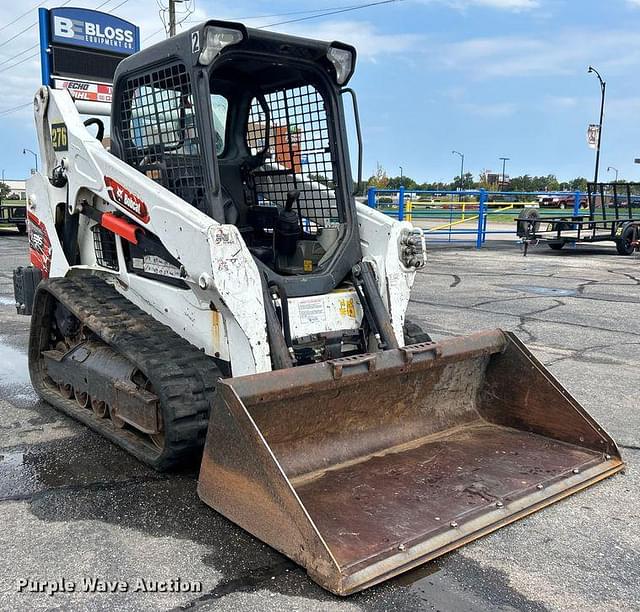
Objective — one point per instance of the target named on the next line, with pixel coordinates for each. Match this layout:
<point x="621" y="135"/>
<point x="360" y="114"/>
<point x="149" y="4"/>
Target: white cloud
<point x="562" y="102"/>
<point x="510" y="5"/>
<point x="368" y="40"/>
<point x="563" y="52"/>
<point x="493" y="110"/>
<point x="500" y="5"/>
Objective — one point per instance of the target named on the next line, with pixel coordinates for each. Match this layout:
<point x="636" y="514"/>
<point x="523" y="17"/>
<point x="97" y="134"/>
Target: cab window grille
<point x="300" y="154"/>
<point x="104" y="244"/>
<point x="160" y="133"/>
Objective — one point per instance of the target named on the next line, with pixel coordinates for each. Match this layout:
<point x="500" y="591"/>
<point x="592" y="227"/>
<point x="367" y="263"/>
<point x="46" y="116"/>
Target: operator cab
<point x="248" y="126"/>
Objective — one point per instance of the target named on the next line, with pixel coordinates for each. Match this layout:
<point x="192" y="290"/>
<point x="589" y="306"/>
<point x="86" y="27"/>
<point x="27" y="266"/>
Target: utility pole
<point x="461" y="167"/>
<point x="172" y="17"/>
<point x="401" y="173"/>
<point x="603" y="87"/>
<point x="0" y="188"/>
<point x="504" y="163"/>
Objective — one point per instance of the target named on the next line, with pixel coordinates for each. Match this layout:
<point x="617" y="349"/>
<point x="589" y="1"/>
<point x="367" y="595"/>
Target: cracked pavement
<point x="75" y="506"/>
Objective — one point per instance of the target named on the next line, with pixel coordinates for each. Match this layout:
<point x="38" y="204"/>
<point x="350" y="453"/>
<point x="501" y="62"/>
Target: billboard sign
<point x="80" y="50"/>
<point x="85" y="90"/>
<point x="92" y="29"/>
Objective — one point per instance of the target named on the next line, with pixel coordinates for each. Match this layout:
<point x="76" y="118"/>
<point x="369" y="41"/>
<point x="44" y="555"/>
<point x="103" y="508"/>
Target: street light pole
<point x="461" y="167"/>
<point x="504" y="164"/>
<point x="25" y="151"/>
<point x="610" y="168"/>
<point x="401" y="174"/>
<point x="603" y="87"/>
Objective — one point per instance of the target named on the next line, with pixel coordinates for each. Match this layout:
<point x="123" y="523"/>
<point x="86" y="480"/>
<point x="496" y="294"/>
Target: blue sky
<point x="489" y="78"/>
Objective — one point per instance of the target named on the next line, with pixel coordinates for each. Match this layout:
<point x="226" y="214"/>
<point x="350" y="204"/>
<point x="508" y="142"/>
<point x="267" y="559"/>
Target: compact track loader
<point x="209" y="286"/>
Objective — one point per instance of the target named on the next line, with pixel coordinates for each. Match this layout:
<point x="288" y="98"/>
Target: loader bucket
<point x="364" y="467"/>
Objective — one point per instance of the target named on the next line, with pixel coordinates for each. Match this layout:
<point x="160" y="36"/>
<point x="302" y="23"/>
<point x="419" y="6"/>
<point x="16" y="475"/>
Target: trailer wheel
<point x="556" y="246"/>
<point x="22" y="228"/>
<point x="528" y="223"/>
<point x="625" y="245"/>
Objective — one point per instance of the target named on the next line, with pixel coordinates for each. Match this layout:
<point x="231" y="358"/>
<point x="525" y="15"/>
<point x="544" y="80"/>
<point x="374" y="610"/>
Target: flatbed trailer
<point x="14" y="215"/>
<point x="613" y="216"/>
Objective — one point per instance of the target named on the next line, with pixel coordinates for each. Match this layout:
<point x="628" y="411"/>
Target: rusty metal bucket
<point x="362" y="468"/>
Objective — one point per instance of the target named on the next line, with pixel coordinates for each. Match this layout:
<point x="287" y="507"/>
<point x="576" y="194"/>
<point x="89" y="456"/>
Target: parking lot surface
<point x="75" y="507"/>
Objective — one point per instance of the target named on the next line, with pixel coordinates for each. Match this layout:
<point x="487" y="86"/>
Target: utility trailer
<point x="613" y="216"/>
<point x="13" y="214"/>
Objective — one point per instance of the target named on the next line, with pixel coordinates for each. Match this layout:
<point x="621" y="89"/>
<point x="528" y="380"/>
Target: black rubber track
<point x="183" y="377"/>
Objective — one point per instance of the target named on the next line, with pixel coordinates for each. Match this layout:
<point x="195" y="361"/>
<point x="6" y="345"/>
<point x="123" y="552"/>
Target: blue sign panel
<point x="93" y="29"/>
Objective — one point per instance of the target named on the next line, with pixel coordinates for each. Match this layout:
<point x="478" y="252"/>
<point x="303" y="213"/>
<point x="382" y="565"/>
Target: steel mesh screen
<point x="160" y="134"/>
<point x="104" y="244"/>
<point x="300" y="154"/>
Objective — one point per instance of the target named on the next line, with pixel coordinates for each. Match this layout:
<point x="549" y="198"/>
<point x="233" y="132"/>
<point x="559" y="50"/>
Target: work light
<point x="216" y="39"/>
<point x="342" y="60"/>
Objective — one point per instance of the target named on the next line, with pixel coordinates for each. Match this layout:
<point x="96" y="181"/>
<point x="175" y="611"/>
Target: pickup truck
<point x="560" y="200"/>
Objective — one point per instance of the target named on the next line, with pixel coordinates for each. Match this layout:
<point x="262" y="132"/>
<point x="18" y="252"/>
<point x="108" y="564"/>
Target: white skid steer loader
<point x="210" y="286"/>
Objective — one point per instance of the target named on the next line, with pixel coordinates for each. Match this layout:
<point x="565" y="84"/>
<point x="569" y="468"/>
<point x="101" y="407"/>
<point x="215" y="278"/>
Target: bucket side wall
<point x="519" y="392"/>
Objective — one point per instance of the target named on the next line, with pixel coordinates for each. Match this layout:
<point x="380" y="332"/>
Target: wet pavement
<point x="75" y="507"/>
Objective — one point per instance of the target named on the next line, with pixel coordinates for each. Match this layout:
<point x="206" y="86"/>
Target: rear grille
<point x="104" y="244"/>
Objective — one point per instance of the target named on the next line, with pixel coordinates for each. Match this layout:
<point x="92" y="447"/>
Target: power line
<point x="37" y="44"/>
<point x="19" y="17"/>
<point x="305" y="12"/>
<point x="8" y="111"/>
<point x="33" y="25"/>
<point x="332" y="12"/>
<point x="22" y="61"/>
<point x="18" y="55"/>
<point x="322" y="12"/>
<point x="316" y="15"/>
<point x="29" y="27"/>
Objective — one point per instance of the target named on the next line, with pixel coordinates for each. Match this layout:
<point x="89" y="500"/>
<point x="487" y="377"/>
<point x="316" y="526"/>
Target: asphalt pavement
<point x="75" y="508"/>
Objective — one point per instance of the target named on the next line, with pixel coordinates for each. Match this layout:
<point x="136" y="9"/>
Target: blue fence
<point x="460" y="214"/>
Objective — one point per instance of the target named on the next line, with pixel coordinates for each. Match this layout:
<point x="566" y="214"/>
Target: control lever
<point x="292" y="197"/>
<point x="287" y="231"/>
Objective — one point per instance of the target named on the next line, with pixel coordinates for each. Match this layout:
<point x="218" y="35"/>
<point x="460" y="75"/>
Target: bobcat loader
<point x="209" y="286"/>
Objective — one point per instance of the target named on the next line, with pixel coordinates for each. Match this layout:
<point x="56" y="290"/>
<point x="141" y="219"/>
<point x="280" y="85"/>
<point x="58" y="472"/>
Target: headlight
<point x="412" y="248"/>
<point x="342" y="59"/>
<point x="215" y="40"/>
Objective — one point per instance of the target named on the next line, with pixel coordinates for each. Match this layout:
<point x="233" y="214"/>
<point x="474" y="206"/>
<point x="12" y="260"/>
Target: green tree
<point x="5" y="190"/>
<point x="396" y="181"/>
<point x="467" y="182"/>
<point x="379" y="178"/>
<point x="579" y="184"/>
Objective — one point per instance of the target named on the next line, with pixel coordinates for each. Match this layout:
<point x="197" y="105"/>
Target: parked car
<point x="560" y="201"/>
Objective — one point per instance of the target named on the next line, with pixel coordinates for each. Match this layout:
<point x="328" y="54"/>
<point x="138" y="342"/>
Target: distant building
<point x="18" y="189"/>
